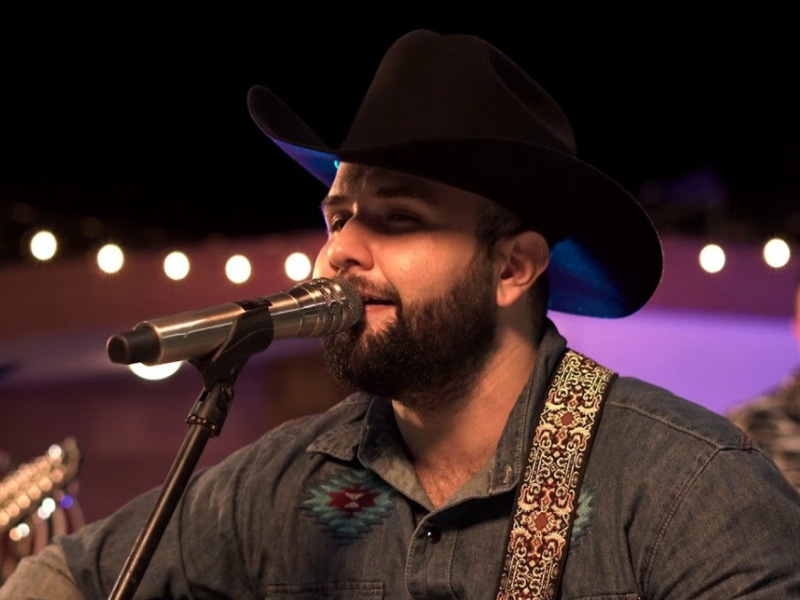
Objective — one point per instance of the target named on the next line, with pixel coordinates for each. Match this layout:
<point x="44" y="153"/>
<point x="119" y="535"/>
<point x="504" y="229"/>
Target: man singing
<point x="481" y="457"/>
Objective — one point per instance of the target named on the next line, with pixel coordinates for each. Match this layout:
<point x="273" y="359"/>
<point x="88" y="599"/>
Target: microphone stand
<point x="253" y="333"/>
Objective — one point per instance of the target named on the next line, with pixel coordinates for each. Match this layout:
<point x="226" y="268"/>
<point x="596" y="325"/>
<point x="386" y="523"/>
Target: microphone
<point x="313" y="308"/>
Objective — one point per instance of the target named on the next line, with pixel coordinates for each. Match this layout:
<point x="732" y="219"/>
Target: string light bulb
<point x="176" y="265"/>
<point x="777" y="253"/>
<point x="297" y="266"/>
<point x="43" y="245"/>
<point x="110" y="258"/>
<point x="155" y="372"/>
<point x="238" y="269"/>
<point x="712" y="258"/>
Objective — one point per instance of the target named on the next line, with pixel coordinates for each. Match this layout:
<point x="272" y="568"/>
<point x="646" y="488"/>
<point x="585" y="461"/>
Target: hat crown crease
<point x="455" y="87"/>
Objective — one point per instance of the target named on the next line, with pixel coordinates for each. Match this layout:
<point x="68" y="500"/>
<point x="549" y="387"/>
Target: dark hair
<point x="496" y="222"/>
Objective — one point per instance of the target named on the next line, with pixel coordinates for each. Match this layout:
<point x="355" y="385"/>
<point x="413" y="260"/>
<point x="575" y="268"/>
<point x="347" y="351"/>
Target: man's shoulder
<point x="652" y="443"/>
<point x="649" y="409"/>
<point x="291" y="445"/>
<point x="346" y="414"/>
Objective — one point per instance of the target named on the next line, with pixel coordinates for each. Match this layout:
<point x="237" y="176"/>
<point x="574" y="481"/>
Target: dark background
<point x="134" y="127"/>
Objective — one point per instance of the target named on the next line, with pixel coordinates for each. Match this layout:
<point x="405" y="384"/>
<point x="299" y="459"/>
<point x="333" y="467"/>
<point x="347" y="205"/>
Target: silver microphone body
<point x="314" y="308"/>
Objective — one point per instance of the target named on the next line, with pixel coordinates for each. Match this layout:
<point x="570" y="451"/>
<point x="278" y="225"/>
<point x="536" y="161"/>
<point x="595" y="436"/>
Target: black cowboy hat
<point x="455" y="109"/>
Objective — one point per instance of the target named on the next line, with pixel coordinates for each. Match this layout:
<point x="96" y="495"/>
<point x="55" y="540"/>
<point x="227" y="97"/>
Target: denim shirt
<point x="675" y="503"/>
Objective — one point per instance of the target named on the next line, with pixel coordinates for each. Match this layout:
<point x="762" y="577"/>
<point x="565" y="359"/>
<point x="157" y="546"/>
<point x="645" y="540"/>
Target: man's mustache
<point x="368" y="289"/>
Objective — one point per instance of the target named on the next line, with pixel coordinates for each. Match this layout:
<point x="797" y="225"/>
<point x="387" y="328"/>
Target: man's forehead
<point x="353" y="179"/>
<point x="356" y="176"/>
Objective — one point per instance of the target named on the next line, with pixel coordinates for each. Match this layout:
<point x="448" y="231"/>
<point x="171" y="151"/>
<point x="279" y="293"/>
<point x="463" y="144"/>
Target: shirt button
<point x="434" y="535"/>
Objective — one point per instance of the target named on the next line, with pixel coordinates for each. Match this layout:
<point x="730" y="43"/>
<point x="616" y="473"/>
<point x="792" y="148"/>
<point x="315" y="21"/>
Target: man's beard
<point x="432" y="353"/>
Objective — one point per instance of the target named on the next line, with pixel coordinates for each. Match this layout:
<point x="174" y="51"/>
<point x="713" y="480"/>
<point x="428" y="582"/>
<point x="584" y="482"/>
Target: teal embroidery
<point x="582" y="518"/>
<point x="349" y="503"/>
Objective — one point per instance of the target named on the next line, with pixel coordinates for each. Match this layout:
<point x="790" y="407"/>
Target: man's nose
<point x="350" y="247"/>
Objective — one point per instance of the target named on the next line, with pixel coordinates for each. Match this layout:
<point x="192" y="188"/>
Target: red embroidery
<point x="352" y="499"/>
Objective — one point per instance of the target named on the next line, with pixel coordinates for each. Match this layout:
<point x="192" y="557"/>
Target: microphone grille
<point x="345" y="306"/>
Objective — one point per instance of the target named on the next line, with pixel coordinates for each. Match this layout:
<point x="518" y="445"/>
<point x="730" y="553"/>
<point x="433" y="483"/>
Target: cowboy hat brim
<point x="605" y="254"/>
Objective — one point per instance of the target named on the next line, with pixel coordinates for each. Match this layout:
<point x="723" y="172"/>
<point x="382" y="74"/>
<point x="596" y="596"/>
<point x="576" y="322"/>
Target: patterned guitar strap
<point x="548" y="495"/>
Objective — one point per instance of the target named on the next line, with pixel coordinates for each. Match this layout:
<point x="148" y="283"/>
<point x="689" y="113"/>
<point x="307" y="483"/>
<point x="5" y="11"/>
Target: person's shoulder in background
<point x="772" y="422"/>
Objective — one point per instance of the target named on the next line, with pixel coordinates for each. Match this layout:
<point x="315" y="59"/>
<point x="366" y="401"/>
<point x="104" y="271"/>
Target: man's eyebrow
<point x="331" y="200"/>
<point x="402" y="191"/>
<point x="381" y="191"/>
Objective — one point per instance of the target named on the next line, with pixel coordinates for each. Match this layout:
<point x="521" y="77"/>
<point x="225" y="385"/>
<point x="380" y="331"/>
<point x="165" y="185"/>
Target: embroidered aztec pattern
<point x="349" y="503"/>
<point x="544" y="512"/>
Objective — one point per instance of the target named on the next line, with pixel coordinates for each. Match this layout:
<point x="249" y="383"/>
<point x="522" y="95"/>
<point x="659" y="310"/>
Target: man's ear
<point x="521" y="259"/>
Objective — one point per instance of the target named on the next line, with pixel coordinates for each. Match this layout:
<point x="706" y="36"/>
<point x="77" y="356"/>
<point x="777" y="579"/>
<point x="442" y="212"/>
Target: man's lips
<point x="375" y="304"/>
<point x="373" y="298"/>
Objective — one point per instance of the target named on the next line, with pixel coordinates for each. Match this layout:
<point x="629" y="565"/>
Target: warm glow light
<point x="712" y="258"/>
<point x="43" y="245"/>
<point x="110" y="258"/>
<point x="776" y="253"/>
<point x="155" y="372"/>
<point x="238" y="269"/>
<point x="297" y="266"/>
<point x="22" y="530"/>
<point x="47" y="508"/>
<point x="176" y="265"/>
<point x="55" y="452"/>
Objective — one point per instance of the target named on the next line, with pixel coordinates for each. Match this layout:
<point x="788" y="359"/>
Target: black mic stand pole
<point x="252" y="333"/>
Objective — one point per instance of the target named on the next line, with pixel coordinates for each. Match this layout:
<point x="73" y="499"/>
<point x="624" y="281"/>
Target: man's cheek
<point x="320" y="265"/>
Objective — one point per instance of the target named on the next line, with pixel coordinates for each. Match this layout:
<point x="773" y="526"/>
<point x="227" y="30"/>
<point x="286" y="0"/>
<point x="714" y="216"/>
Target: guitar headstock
<point x="22" y="492"/>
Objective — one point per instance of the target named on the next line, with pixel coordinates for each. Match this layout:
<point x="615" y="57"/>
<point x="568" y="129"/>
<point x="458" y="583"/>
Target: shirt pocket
<point x="344" y="590"/>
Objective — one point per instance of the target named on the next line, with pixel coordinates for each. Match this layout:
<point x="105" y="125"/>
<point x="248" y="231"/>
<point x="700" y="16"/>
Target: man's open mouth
<point x="372" y="300"/>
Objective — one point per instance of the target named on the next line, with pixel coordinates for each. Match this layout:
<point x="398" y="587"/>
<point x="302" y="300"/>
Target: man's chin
<point x="360" y="340"/>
